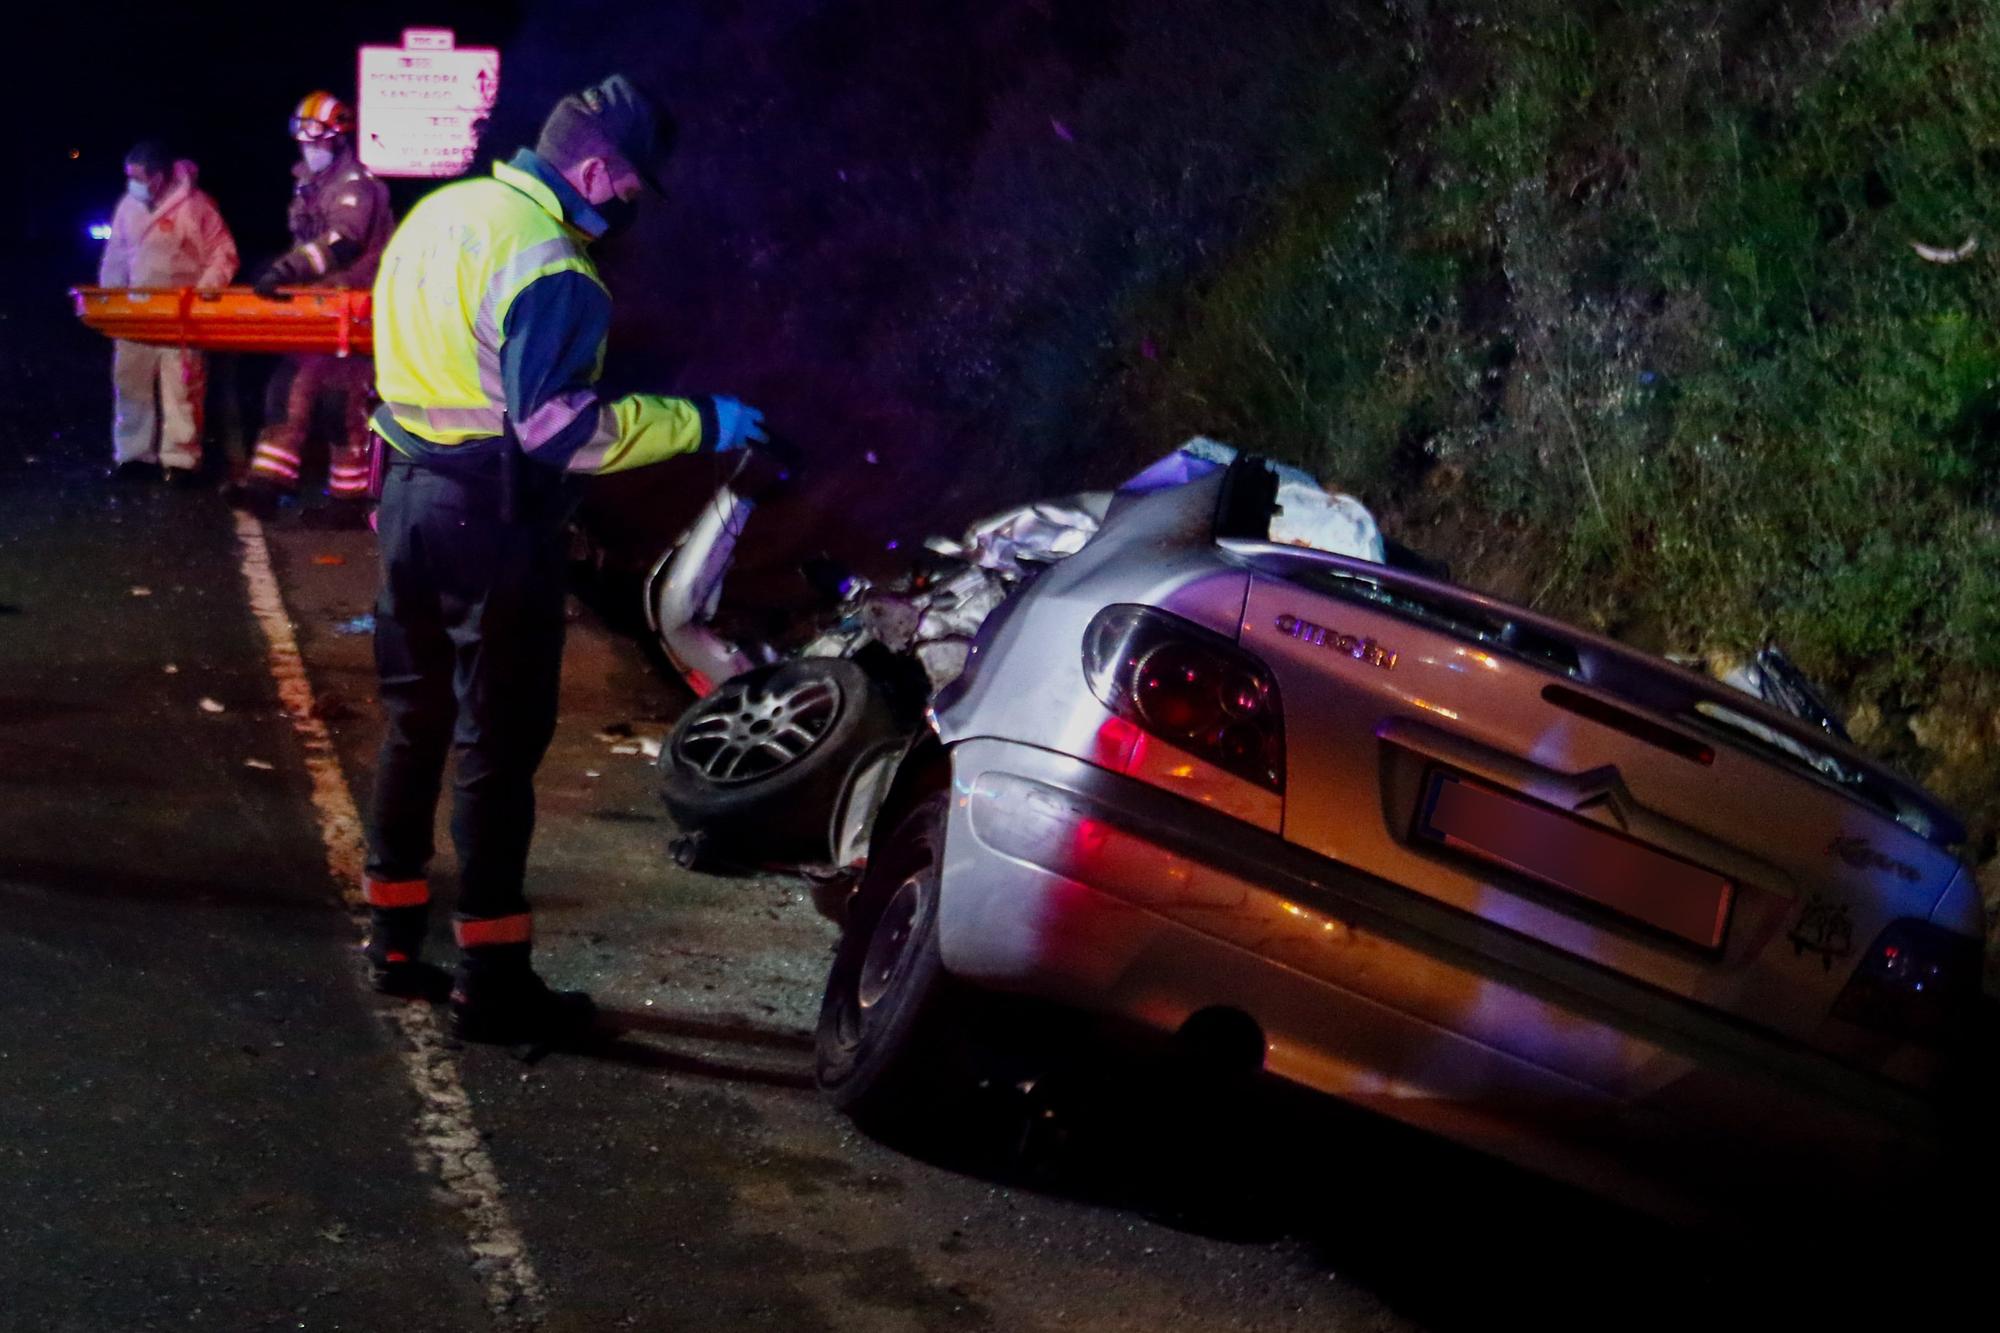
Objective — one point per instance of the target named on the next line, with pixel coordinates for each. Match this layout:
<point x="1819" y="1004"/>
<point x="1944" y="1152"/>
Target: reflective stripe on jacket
<point x="339" y="219"/>
<point x="487" y="303"/>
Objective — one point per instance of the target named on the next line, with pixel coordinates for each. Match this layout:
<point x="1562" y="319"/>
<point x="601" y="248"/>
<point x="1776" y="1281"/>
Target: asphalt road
<point x="207" y="1122"/>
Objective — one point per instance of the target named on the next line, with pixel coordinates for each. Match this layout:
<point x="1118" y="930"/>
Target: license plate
<point x="1579" y="858"/>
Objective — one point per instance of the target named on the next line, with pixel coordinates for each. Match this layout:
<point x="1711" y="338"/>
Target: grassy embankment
<point x="1627" y="324"/>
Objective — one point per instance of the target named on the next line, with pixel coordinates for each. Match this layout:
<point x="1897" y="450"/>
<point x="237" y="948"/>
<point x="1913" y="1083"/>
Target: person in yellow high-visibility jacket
<point x="490" y="325"/>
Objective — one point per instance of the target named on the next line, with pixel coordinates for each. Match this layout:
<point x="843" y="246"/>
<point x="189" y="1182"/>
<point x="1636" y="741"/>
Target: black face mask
<point x="618" y="214"/>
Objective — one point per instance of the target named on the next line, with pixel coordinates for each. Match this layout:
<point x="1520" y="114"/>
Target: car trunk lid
<point x="1581" y="794"/>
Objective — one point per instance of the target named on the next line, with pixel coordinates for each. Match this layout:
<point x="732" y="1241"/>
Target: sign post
<point x="423" y="104"/>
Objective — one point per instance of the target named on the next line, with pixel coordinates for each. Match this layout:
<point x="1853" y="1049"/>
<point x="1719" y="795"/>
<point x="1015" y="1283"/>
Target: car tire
<point x="759" y="764"/>
<point x="882" y="1046"/>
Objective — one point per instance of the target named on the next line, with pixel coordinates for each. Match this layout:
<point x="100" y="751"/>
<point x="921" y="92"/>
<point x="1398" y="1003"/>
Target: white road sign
<point x="423" y="104"/>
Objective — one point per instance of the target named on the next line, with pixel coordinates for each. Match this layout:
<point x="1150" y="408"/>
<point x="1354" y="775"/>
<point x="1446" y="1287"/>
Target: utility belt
<point x="493" y="472"/>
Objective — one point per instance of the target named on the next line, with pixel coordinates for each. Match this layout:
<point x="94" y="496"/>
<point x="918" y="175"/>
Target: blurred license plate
<point x="1583" y="859"/>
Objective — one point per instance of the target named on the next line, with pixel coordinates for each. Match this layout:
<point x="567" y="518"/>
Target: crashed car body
<point x="1438" y="856"/>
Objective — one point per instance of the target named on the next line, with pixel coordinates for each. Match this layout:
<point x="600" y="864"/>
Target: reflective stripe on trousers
<point x="484" y="933"/>
<point x="304" y="391"/>
<point x="275" y="463"/>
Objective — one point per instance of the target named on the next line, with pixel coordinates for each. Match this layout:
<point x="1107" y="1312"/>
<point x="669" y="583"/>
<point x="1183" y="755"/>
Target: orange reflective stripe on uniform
<point x="395" y="892"/>
<point x="516" y="929"/>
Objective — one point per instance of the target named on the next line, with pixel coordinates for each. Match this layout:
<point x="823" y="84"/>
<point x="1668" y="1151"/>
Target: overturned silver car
<point x="1435" y="855"/>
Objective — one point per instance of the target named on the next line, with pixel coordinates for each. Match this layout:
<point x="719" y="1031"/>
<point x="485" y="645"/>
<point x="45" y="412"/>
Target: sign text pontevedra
<point x="422" y="104"/>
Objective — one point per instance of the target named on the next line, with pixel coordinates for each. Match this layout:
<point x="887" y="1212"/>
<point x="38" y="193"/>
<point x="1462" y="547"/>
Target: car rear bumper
<point x="1082" y="886"/>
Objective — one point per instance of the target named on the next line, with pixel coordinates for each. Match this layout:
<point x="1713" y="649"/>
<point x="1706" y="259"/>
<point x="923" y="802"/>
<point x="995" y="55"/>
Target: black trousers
<point x="468" y="648"/>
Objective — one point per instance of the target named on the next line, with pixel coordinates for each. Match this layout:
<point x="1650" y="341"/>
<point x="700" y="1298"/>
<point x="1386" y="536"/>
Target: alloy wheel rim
<point x="744" y="733"/>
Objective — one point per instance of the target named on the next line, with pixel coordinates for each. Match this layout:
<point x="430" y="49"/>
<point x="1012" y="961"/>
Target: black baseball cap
<point x="623" y="117"/>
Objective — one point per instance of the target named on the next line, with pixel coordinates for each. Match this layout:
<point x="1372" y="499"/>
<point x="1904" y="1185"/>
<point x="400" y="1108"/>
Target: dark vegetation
<point x="1624" y="316"/>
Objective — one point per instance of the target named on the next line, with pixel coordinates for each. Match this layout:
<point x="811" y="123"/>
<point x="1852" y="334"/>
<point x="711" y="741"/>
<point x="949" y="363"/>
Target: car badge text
<point x="1351" y="645"/>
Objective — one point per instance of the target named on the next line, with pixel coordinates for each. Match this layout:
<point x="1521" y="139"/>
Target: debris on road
<point x="171" y="670"/>
<point x="141" y="590"/>
<point x="261" y="765"/>
<point x="641" y="738"/>
<point x="363" y="624"/>
<point x="209" y="705"/>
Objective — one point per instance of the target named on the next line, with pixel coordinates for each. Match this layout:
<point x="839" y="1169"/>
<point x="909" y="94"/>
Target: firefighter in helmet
<point x="340" y="220"/>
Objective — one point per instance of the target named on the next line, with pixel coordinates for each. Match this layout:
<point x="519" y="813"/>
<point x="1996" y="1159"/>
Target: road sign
<point x="423" y="104"/>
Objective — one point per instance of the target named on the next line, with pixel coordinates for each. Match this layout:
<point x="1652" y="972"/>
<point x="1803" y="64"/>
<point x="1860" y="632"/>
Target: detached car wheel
<point x="886" y="1015"/>
<point x="759" y="764"/>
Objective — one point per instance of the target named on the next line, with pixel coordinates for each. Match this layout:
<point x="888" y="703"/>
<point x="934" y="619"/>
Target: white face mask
<point x="137" y="189"/>
<point x="318" y="158"/>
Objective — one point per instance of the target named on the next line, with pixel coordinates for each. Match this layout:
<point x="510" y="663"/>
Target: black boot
<point x="394" y="953"/>
<point x="409" y="979"/>
<point x="512" y="1006"/>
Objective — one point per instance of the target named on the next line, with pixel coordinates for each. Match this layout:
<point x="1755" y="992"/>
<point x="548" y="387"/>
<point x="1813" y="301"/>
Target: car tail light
<point x="1190" y="687"/>
<point x="1917" y="982"/>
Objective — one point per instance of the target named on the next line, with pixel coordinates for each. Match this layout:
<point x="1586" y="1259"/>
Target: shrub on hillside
<point x="1634" y="293"/>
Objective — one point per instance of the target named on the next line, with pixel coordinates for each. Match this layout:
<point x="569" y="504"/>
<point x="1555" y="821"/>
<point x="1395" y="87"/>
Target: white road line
<point x="445" y="1140"/>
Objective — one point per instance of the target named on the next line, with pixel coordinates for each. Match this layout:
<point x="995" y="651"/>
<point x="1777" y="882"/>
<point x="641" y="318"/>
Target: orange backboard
<point x="333" y="321"/>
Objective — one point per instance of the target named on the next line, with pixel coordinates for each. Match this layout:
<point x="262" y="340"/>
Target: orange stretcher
<point x="332" y="321"/>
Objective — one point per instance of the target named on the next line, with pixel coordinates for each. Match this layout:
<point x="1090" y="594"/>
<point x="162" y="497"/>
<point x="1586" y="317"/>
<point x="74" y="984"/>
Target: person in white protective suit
<point x="165" y="233"/>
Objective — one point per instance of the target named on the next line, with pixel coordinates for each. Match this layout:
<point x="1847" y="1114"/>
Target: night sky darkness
<point x="914" y="233"/>
<point x="216" y="80"/>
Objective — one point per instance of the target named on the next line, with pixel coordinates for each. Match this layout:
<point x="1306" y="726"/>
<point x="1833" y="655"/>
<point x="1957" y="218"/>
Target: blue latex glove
<point x="737" y="424"/>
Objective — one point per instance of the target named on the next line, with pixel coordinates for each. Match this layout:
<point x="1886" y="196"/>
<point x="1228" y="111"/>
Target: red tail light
<point x="1917" y="981"/>
<point x="1190" y="687"/>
